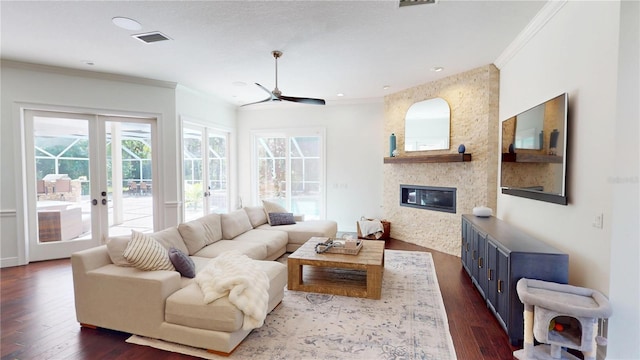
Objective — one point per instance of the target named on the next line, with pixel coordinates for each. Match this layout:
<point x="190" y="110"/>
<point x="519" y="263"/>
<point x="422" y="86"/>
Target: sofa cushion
<point x="182" y="262"/>
<point x="201" y="232"/>
<point x="270" y="206"/>
<point x="256" y="214"/>
<point x="170" y="238"/>
<point x="275" y="241"/>
<point x="187" y="307"/>
<point x="116" y="245"/>
<point x="254" y="250"/>
<point x="235" y="223"/>
<point x="276" y="219"/>
<point x="145" y="253"/>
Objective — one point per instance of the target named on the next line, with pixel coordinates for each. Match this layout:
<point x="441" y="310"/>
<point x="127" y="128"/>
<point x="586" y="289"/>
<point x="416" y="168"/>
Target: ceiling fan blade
<point x="258" y="102"/>
<point x="268" y="91"/>
<point x="270" y="98"/>
<point x="302" y="100"/>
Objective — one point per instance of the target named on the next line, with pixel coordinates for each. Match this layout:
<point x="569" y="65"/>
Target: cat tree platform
<point x="559" y="316"/>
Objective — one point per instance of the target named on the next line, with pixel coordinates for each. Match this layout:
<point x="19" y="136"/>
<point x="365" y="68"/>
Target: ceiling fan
<point x="276" y="94"/>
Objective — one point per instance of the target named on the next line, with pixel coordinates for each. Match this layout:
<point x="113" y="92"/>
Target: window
<point x="289" y="170"/>
<point x="205" y="171"/>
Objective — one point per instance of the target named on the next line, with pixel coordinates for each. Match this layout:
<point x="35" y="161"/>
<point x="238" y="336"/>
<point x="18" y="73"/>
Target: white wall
<point x="624" y="327"/>
<point x="577" y="52"/>
<point x="353" y="150"/>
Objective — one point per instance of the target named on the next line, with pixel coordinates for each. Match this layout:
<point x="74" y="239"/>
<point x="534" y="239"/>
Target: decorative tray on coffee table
<point x="338" y="246"/>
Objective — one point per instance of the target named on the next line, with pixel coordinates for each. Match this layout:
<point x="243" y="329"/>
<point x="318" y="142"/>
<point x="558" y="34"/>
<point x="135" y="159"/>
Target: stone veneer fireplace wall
<point x="473" y="99"/>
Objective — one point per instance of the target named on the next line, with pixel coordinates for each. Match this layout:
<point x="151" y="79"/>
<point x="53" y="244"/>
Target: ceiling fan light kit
<point x="276" y="94"/>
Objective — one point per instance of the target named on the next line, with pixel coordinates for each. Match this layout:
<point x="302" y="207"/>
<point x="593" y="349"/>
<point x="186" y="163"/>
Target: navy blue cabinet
<point x="496" y="255"/>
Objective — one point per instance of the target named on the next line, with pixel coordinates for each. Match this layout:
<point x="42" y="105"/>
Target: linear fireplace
<point x="428" y="197"/>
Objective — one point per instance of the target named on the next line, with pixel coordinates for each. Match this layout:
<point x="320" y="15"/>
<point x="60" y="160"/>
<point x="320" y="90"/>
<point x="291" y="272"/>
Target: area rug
<point x="408" y="322"/>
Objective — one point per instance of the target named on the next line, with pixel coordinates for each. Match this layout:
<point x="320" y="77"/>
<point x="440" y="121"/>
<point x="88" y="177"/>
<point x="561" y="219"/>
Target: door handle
<point x="94" y="202"/>
<point x="104" y="201"/>
<point x="499" y="286"/>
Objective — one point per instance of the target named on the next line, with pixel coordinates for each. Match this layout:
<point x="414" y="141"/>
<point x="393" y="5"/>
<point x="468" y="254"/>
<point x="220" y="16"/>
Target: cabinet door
<point x="492" y="274"/>
<point x="481" y="277"/>
<point x="464" y="251"/>
<point x="478" y="254"/>
<point x="503" y="287"/>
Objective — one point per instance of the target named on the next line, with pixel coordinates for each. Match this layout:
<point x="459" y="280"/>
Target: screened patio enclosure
<point x="290" y="172"/>
<point x="63" y="154"/>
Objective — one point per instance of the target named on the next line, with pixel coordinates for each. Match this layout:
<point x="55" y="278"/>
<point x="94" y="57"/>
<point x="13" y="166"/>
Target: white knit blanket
<point x="236" y="275"/>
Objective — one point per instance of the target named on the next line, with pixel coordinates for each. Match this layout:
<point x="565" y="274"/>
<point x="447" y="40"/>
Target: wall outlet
<point x="598" y="221"/>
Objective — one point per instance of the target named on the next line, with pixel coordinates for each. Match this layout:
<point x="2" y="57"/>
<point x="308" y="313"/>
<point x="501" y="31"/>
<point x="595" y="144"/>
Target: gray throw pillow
<point x="272" y="207"/>
<point x="182" y="262"/>
<point x="276" y="219"/>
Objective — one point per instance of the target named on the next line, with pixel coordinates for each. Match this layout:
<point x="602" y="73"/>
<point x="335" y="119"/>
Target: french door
<point x="205" y="171"/>
<point x="88" y="177"/>
<point x="289" y="168"/>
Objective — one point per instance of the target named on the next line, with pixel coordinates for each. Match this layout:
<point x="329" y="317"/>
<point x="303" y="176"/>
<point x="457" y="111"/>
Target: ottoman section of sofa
<point x="302" y="231"/>
<point x="186" y="306"/>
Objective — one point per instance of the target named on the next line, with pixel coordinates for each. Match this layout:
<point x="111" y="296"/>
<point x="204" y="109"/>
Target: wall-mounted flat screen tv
<point x="534" y="152"/>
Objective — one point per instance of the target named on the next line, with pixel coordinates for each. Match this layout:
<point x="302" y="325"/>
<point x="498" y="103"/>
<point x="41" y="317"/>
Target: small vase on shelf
<point x="461" y="149"/>
<point x="392" y="144"/>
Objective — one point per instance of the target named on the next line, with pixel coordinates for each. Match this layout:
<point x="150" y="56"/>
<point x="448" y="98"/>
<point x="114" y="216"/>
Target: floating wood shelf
<point x="443" y="158"/>
<point x="531" y="158"/>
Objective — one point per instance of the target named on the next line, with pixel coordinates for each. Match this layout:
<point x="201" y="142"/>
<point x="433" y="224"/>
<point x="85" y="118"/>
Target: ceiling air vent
<point x="151" y="37"/>
<point x="416" y="2"/>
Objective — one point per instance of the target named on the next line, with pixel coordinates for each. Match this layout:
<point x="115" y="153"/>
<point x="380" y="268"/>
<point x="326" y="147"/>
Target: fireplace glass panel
<point x="428" y="197"/>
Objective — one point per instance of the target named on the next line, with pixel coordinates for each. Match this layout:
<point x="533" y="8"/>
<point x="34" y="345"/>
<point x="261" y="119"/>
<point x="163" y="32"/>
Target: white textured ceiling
<point x="330" y="47"/>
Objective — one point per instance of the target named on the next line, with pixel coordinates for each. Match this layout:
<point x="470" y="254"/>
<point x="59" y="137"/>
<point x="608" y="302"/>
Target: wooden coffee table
<point x="339" y="274"/>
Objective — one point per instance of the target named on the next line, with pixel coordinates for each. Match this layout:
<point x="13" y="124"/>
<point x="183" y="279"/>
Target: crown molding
<point x="86" y="73"/>
<point x="545" y="14"/>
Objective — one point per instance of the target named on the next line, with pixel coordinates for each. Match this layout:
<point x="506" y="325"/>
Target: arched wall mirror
<point x="426" y="125"/>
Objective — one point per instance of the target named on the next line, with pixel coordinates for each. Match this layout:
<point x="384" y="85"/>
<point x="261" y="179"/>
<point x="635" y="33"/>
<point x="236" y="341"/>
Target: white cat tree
<point x="560" y="316"/>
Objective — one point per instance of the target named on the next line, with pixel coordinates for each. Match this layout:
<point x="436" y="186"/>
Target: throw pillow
<point x="281" y="219"/>
<point x="145" y="253"/>
<point x="271" y="207"/>
<point x="182" y="262"/>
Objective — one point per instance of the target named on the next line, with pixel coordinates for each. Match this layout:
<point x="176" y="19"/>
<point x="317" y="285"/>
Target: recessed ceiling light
<point x="88" y="62"/>
<point x="437" y="68"/>
<point x="239" y="83"/>
<point x="386" y="87"/>
<point x="126" y="23"/>
<point x="339" y="94"/>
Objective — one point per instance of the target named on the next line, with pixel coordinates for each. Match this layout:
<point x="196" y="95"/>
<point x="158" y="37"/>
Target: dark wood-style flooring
<point x="37" y="319"/>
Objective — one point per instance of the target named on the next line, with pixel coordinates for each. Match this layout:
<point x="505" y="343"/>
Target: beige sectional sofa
<point x="111" y="293"/>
